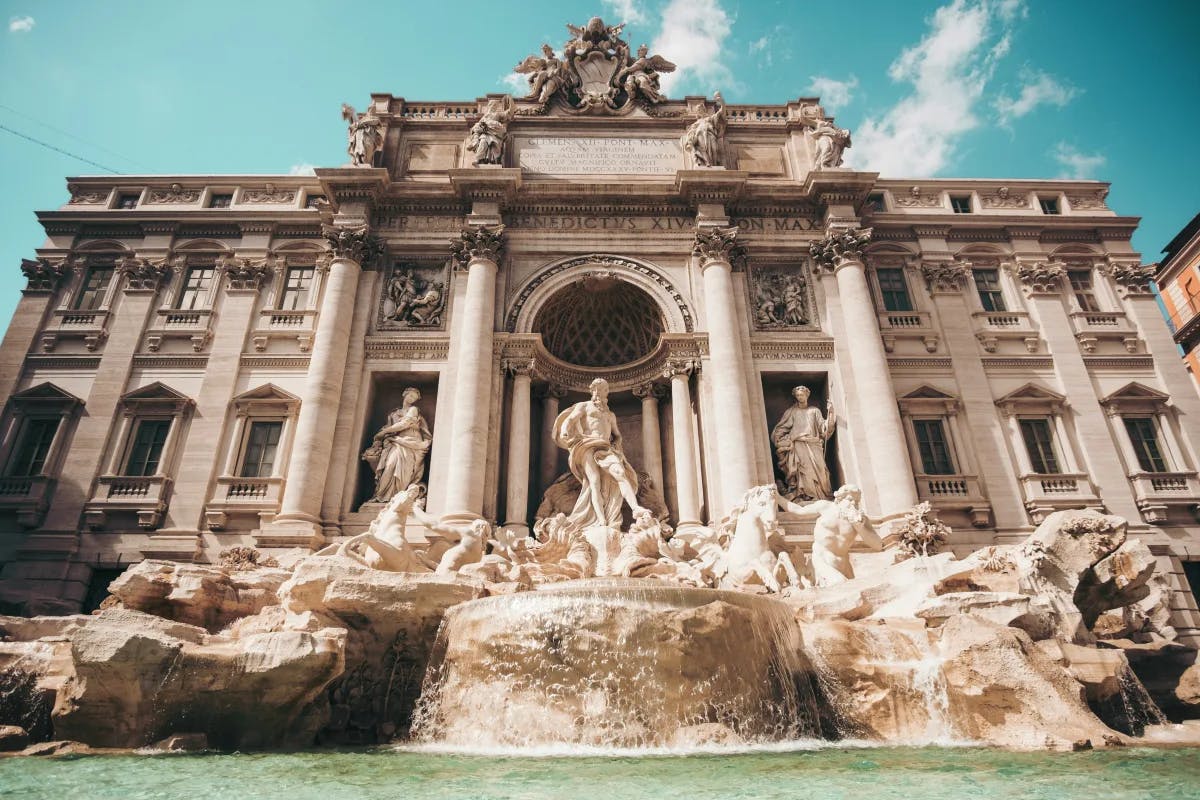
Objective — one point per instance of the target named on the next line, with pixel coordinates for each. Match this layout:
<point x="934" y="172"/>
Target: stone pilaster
<point x="478" y="250"/>
<point x="44" y="277"/>
<point x="842" y="251"/>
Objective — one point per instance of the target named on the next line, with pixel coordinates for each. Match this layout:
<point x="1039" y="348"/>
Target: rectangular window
<point x="261" y="446"/>
<point x="934" y="449"/>
<point x="987" y="283"/>
<point x="875" y="202"/>
<point x="893" y="290"/>
<point x="94" y="289"/>
<point x="127" y="200"/>
<point x="1081" y="287"/>
<point x="1049" y="205"/>
<point x="1039" y="443"/>
<point x="220" y="201"/>
<point x="296" y="286"/>
<point x="196" y="285"/>
<point x="960" y="204"/>
<point x="148" y="440"/>
<point x="1143" y="434"/>
<point x="35" y="440"/>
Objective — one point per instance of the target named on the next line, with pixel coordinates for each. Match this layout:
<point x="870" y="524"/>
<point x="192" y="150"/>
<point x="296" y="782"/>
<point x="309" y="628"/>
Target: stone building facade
<point x="1178" y="280"/>
<point x="198" y="363"/>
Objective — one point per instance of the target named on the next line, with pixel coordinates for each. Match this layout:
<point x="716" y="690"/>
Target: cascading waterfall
<point x="617" y="663"/>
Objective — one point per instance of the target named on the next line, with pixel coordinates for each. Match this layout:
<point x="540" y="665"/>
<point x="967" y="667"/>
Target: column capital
<point x="481" y="243"/>
<point x="1132" y="277"/>
<point x="352" y="243"/>
<point x="142" y="274"/>
<point x="247" y="274"/>
<point x="518" y="367"/>
<point x="718" y="245"/>
<point x="947" y="277"/>
<point x="839" y="247"/>
<point x="551" y="390"/>
<point x="1040" y="277"/>
<point x="45" y="274"/>
<point x="649" y="389"/>
<point x="680" y="366"/>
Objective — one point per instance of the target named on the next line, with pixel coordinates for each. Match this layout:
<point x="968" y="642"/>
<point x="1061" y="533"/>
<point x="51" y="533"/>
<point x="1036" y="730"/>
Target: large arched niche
<point x="602" y="271"/>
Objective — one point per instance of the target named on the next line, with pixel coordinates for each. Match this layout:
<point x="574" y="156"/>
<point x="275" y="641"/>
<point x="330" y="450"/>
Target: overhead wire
<point x="58" y="150"/>
<point x="70" y="135"/>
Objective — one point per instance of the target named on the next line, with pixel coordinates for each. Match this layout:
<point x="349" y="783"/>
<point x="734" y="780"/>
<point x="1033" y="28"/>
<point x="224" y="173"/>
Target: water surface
<point x="821" y="774"/>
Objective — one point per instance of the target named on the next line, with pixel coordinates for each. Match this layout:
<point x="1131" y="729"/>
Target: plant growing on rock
<point x="238" y="559"/>
<point x="922" y="533"/>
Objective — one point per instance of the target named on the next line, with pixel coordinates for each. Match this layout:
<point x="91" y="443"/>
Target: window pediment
<point x="156" y="398"/>
<point x="1031" y="399"/>
<point x="46" y="397"/>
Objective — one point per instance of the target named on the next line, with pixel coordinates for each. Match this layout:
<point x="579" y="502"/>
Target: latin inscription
<point x="595" y="155"/>
<point x="600" y="223"/>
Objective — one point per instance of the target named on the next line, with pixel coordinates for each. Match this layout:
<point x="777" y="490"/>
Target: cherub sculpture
<point x="640" y="79"/>
<point x="364" y="136"/>
<point x="546" y="75"/>
<point x="490" y="132"/>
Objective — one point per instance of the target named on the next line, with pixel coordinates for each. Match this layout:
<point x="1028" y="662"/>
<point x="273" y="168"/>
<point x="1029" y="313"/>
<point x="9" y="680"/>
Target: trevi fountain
<point x="797" y="645"/>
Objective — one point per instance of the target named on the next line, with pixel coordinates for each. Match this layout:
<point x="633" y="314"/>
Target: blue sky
<point x="971" y="88"/>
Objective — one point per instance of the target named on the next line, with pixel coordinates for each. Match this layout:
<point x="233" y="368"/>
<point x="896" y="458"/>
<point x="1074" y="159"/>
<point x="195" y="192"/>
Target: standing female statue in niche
<point x="799" y="439"/>
<point x="398" y="451"/>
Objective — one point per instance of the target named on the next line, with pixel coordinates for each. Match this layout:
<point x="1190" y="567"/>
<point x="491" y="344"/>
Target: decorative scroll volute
<point x="44" y="275"/>
<point x="1040" y="277"/>
<point x="714" y="245"/>
<point x="356" y="244"/>
<point x="945" y="276"/>
<point x="141" y="274"/>
<point x="482" y="243"/>
<point x="839" y="246"/>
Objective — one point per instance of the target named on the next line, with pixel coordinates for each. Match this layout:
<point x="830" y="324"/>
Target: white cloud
<point x="1075" y="164"/>
<point x="626" y="11"/>
<point x="1039" y="88"/>
<point x="20" y="24"/>
<point x="772" y="45"/>
<point x="693" y="36"/>
<point x="303" y="168"/>
<point x="516" y="83"/>
<point x="758" y="45"/>
<point x="834" y="94"/>
<point x="948" y="71"/>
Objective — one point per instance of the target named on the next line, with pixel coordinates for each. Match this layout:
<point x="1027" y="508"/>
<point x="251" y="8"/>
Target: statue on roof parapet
<point x="364" y="136"/>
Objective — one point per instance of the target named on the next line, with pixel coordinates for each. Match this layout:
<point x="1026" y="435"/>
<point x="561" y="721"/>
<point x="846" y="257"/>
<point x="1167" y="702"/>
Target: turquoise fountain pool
<point x="829" y="773"/>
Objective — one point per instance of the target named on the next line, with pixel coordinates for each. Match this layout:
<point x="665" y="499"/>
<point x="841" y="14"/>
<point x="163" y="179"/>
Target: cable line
<point x="70" y="135"/>
<point x="58" y="150"/>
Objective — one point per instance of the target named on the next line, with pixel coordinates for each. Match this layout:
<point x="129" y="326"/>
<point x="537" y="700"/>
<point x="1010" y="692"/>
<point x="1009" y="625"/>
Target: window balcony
<point x="993" y="327"/>
<point x="233" y="495"/>
<point x="1092" y="327"/>
<point x="1157" y="492"/>
<point x="68" y="323"/>
<point x="917" y="325"/>
<point x="145" y="496"/>
<point x="957" y="492"/>
<point x="29" y="497"/>
<point x="1045" y="493"/>
<point x="276" y="323"/>
<point x="176" y="323"/>
<point x="1185" y="324"/>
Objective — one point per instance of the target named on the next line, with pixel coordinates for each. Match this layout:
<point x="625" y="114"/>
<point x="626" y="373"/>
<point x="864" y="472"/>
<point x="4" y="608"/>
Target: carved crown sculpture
<point x="1134" y="278"/>
<point x="945" y="276"/>
<point x="839" y="246"/>
<point x="718" y="244"/>
<point x="141" y="274"/>
<point x="44" y="275"/>
<point x="356" y="244"/>
<point x="1040" y="276"/>
<point x="484" y="242"/>
<point x="247" y="273"/>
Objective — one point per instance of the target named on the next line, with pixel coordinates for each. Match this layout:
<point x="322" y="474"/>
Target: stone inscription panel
<point x="603" y="155"/>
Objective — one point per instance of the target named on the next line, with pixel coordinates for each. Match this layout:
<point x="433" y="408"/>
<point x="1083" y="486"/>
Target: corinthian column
<point x="477" y="249"/>
<point x="311" y="448"/>
<point x="548" y="471"/>
<point x="842" y="251"/>
<point x="717" y="249"/>
<point x="517" y="500"/>
<point x="651" y="436"/>
<point x="683" y="437"/>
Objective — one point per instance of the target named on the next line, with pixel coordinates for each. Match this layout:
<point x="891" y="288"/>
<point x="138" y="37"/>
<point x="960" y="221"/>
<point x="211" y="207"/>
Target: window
<point x="127" y="200"/>
<point x="1049" y="205"/>
<point x="893" y="290"/>
<point x="960" y="204"/>
<point x="297" y="284"/>
<point x="987" y="283"/>
<point x="1143" y="435"/>
<point x="262" y="443"/>
<point x="1039" y="443"/>
<point x="1081" y="287"/>
<point x="34" y="445"/>
<point x="875" y="203"/>
<point x="933" y="447"/>
<point x="146" y="452"/>
<point x="220" y="200"/>
<point x="196" y="285"/>
<point x="314" y="201"/>
<point x="94" y="289"/>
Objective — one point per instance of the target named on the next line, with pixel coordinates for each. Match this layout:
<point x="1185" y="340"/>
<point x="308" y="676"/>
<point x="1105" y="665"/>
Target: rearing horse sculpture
<point x="749" y="558"/>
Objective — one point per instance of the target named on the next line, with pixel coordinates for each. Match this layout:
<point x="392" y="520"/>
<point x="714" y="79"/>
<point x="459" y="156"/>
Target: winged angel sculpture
<point x="596" y="72"/>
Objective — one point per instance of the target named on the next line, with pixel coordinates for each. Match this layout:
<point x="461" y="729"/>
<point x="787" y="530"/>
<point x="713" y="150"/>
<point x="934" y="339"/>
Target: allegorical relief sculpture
<point x="588" y="432"/>
<point x="364" y="136"/>
<point x="489" y="134"/>
<point x="413" y="298"/>
<point x="780" y="299"/>
<point x="596" y="74"/>
<point x="704" y="140"/>
<point x="799" y="438"/>
<point x="839" y="523"/>
<point x="397" y="453"/>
